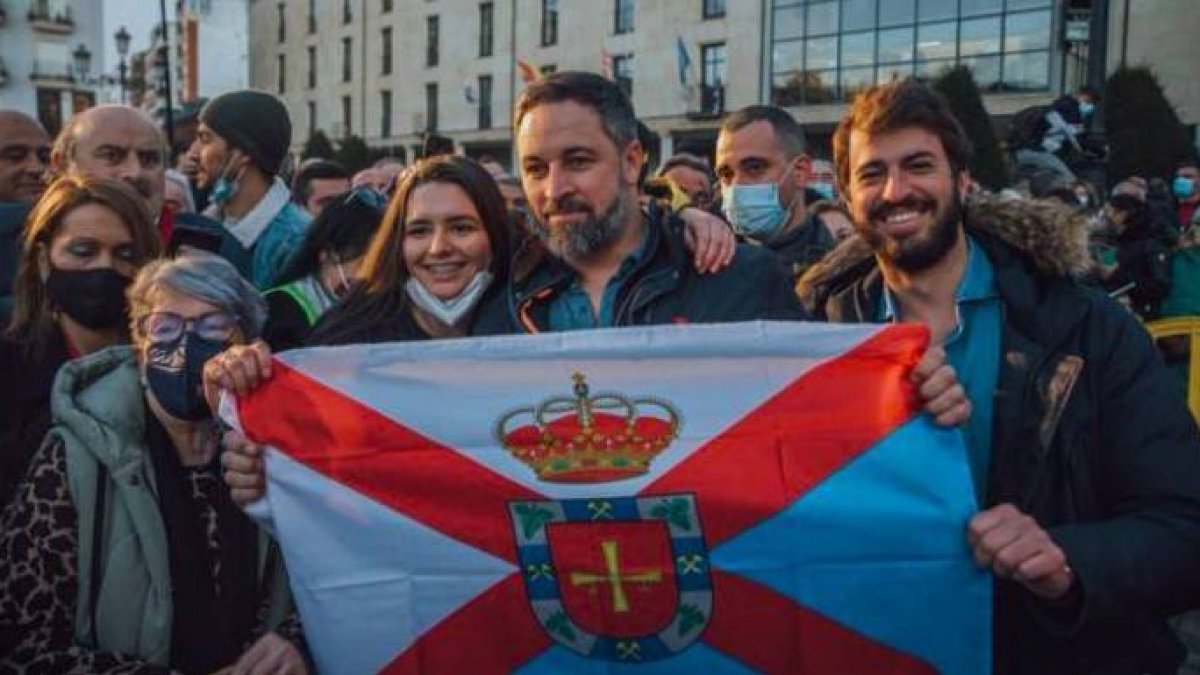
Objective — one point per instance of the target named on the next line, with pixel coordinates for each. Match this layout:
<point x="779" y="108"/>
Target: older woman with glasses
<point x="122" y="551"/>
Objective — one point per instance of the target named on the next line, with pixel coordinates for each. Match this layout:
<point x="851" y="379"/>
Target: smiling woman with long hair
<point x="442" y="247"/>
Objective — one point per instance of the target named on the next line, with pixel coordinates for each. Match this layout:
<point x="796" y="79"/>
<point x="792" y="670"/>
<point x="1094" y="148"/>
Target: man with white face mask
<point x="763" y="170"/>
<point x="241" y="143"/>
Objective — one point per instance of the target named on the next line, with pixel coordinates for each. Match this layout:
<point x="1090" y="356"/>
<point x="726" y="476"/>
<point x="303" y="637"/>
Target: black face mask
<point x="174" y="374"/>
<point x="95" y="299"/>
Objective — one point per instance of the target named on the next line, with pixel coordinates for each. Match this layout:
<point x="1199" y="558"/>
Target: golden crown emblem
<point x="589" y="439"/>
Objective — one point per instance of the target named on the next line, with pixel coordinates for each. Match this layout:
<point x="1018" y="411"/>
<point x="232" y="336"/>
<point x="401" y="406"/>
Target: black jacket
<point x="664" y="287"/>
<point x="1091" y="439"/>
<point x="25" y="406"/>
<point x="1146" y="263"/>
<point x="803" y="247"/>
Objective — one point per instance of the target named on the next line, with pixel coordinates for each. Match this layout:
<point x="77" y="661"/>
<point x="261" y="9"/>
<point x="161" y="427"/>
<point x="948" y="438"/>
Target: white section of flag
<point x="352" y="560"/>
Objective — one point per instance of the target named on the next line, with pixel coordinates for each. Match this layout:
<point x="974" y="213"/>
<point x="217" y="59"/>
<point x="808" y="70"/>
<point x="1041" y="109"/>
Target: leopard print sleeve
<point x="38" y="560"/>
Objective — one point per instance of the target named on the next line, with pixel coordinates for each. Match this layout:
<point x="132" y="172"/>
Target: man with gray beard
<point x="598" y="259"/>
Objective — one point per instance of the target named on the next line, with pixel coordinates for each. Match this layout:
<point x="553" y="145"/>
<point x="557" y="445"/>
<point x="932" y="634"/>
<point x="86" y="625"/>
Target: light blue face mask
<point x="1183" y="187"/>
<point x="823" y="189"/>
<point x="1086" y="109"/>
<point x="755" y="210"/>
<point x="224" y="188"/>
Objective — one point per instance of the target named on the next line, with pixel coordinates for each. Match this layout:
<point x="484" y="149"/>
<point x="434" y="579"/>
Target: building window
<point x="312" y="67"/>
<point x="431" y="41"/>
<point x="282" y="65"/>
<point x="549" y="22"/>
<point x="485" y="29"/>
<point x="282" y="24"/>
<point x="714" y="9"/>
<point x="548" y="69"/>
<point x="385" y="113"/>
<point x="712" y="78"/>
<point x="312" y="118"/>
<point x="386" y="53"/>
<point x="485" y="101"/>
<point x="431" y="106"/>
<point x="622" y="16"/>
<point x="386" y="6"/>
<point x="312" y="16"/>
<point x="346" y="110"/>
<point x="623" y="73"/>
<point x="347" y="12"/>
<point x="826" y="51"/>
<point x="347" y="54"/>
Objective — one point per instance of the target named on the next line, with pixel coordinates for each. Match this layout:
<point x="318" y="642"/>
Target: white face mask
<point x="451" y="311"/>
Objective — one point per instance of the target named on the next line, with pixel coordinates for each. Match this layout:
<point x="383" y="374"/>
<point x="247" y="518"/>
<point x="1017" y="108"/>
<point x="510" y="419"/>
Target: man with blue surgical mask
<point x="240" y="147"/>
<point x="821" y="180"/>
<point x="763" y="171"/>
<point x="1186" y="188"/>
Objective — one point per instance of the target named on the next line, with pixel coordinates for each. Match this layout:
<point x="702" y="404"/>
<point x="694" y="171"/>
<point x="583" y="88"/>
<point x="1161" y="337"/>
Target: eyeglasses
<point x="367" y="196"/>
<point x="162" y="327"/>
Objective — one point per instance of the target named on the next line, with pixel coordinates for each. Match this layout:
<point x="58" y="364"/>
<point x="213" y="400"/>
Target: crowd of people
<point x="139" y="286"/>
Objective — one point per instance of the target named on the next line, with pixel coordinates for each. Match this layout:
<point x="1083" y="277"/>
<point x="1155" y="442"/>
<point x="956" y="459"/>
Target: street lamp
<point x="82" y="57"/>
<point x="122" y="38"/>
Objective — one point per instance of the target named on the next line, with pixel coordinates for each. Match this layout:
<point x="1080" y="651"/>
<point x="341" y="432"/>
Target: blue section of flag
<point x="684" y="59"/>
<point x="873" y="542"/>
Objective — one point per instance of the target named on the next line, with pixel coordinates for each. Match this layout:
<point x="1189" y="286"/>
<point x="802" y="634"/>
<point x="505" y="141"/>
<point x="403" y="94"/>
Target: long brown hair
<point x="381" y="292"/>
<point x="32" y="321"/>
<point x="383" y="268"/>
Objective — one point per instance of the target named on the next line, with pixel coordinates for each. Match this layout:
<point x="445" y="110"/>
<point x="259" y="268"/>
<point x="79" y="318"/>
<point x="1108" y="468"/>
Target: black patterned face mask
<point x="174" y="375"/>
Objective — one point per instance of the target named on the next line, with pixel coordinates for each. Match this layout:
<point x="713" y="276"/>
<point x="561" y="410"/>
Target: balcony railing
<point x="59" y="22"/>
<point x="51" y="74"/>
<point x="708" y="102"/>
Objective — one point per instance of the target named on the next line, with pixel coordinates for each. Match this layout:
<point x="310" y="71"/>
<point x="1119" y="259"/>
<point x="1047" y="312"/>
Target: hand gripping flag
<point x="759" y="497"/>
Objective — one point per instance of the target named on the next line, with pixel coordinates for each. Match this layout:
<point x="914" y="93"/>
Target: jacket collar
<point x="250" y="227"/>
<point x="1037" y="237"/>
<point x="539" y="276"/>
<point x="91" y="399"/>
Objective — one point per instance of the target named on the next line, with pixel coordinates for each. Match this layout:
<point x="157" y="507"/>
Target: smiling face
<point x="904" y="197"/>
<point x="581" y="187"/>
<point x="445" y="242"/>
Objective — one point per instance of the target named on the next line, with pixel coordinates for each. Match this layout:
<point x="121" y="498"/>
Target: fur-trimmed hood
<point x="1050" y="236"/>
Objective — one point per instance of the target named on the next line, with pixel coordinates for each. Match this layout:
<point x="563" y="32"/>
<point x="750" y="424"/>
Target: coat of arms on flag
<point x="760" y="497"/>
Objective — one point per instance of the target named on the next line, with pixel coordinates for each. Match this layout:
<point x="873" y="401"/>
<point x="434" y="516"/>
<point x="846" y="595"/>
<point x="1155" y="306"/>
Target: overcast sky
<point x="139" y="18"/>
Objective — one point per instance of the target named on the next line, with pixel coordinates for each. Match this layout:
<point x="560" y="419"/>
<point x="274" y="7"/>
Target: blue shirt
<point x="572" y="309"/>
<point x="973" y="348"/>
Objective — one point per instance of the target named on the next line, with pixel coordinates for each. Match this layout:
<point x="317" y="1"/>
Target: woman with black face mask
<point x="83" y="242"/>
<point x="122" y="548"/>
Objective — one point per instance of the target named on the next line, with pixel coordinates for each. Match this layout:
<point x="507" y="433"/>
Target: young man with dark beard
<point x="1086" y="461"/>
<point x="597" y="259"/>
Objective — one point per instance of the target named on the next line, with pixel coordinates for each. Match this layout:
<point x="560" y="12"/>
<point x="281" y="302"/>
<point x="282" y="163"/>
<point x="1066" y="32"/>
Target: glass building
<point x="825" y="51"/>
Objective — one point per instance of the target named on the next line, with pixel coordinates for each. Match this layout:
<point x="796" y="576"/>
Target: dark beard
<point x="584" y="238"/>
<point x="915" y="254"/>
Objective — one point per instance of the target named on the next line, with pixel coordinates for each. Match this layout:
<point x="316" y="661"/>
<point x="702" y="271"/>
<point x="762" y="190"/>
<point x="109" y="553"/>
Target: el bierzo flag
<point x="736" y="498"/>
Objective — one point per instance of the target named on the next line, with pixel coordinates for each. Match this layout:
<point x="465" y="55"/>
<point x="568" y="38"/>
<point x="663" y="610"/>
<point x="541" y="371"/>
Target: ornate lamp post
<point x="82" y="58"/>
<point x="122" y="38"/>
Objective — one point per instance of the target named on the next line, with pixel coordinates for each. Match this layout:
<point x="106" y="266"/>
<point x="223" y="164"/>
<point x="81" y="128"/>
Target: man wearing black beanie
<point x="241" y="142"/>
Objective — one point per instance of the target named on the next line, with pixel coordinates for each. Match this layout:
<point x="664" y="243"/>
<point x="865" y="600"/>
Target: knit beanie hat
<point x="254" y="122"/>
